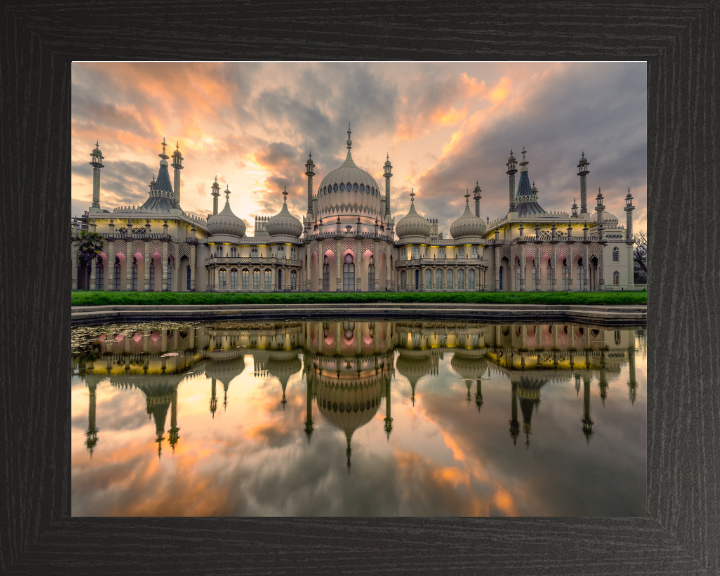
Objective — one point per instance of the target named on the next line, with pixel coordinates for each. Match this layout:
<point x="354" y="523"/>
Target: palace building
<point x="348" y="241"/>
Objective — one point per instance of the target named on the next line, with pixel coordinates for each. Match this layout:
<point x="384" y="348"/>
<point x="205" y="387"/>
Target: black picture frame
<point x="681" y="531"/>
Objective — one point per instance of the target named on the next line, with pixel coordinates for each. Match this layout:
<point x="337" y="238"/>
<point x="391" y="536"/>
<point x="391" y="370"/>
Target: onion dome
<point x="413" y="224"/>
<point x="284" y="223"/>
<point x="609" y="220"/>
<point x="469" y="366"/>
<point x="349" y="190"/>
<point x="97" y="148"/>
<point x="226" y="222"/>
<point x="468" y="224"/>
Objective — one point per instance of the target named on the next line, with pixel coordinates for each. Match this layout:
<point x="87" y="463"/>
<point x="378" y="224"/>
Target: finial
<point x="97" y="143"/>
<point x="349" y="142"/>
<point x="412" y="195"/>
<point x="285" y="195"/>
<point x="310" y="153"/>
<point x="387" y="157"/>
<point x="467" y="197"/>
<point x="215" y="177"/>
<point x="583" y="153"/>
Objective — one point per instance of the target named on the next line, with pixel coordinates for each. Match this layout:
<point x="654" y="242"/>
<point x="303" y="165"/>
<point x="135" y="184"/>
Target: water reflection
<point x="352" y="376"/>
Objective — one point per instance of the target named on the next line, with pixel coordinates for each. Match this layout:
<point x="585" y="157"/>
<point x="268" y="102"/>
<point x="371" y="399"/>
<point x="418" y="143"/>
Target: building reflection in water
<point x="349" y="366"/>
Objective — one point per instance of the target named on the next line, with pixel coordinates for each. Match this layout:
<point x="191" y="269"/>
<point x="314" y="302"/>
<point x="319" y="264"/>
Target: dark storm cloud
<point x="601" y="110"/>
<point x="122" y="183"/>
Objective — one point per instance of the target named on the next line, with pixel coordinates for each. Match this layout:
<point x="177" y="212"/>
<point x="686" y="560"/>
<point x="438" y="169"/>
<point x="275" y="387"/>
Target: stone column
<point x="538" y="269"/>
<point x="631" y="266"/>
<point x="376" y="287"/>
<point x="111" y="265"/>
<point x="128" y="263"/>
<point x="569" y="268"/>
<point x="358" y="265"/>
<point x="321" y="258"/>
<point x="93" y="273"/>
<point x="497" y="269"/>
<point x="553" y="286"/>
<point x="338" y="267"/>
<point x="523" y="263"/>
<point x="164" y="266"/>
<point x="147" y="265"/>
<point x="193" y="265"/>
<point x="601" y="267"/>
<point x="586" y="268"/>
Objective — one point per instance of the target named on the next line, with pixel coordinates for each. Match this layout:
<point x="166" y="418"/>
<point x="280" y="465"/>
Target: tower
<point x="511" y="171"/>
<point x="600" y="207"/>
<point x="387" y="174"/>
<point x="586" y="421"/>
<point x="629" y="238"/>
<point x="177" y="165"/>
<point x="476" y="197"/>
<point x="310" y="172"/>
<point x="92" y="436"/>
<point x="215" y="194"/>
<point x="97" y="164"/>
<point x="583" y="172"/>
<point x="388" y="417"/>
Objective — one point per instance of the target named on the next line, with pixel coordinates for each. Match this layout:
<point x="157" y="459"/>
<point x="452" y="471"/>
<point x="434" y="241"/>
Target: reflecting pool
<point x="358" y="418"/>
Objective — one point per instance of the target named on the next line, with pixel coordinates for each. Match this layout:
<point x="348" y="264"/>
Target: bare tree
<point x="640" y="255"/>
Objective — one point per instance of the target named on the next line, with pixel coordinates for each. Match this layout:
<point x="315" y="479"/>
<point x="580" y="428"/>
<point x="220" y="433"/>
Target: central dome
<point x="349" y="191"/>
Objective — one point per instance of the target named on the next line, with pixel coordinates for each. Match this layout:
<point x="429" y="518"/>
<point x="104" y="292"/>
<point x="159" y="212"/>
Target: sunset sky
<point x="444" y="125"/>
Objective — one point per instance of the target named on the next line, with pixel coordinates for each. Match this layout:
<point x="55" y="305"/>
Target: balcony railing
<point x="239" y="260"/>
<point x="443" y="262"/>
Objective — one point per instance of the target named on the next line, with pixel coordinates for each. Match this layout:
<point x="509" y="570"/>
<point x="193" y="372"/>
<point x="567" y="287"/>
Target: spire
<point x="164" y="145"/>
<point x="412" y="196"/>
<point x="349" y="141"/>
<point x="524" y="162"/>
<point x="467" y="197"/>
<point x="285" y="195"/>
<point x="227" y="194"/>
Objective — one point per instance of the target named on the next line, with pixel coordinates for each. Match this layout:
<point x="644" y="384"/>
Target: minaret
<point x="574" y="209"/>
<point x="310" y="172"/>
<point x="587" y="422"/>
<point x="92" y="437"/>
<point x="514" y="424"/>
<point x="388" y="417"/>
<point x="629" y="237"/>
<point x="309" y="418"/>
<point x="97" y="164"/>
<point x="213" y="399"/>
<point x="583" y="172"/>
<point x="215" y="194"/>
<point x="632" y="383"/>
<point x="174" y="437"/>
<point x="177" y="165"/>
<point x="511" y="171"/>
<point x="387" y="174"/>
<point x="600" y="207"/>
<point x="476" y="197"/>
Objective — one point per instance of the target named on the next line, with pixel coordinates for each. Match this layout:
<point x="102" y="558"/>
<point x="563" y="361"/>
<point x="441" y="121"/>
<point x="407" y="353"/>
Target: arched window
<point x="549" y="276"/>
<point x="281" y="252"/>
<point x="233" y="252"/>
<point x="134" y="274"/>
<point x="218" y="251"/>
<point x="279" y="280"/>
<point x="450" y="280"/>
<point x="233" y="279"/>
<point x="256" y="279"/>
<point x="169" y="275"/>
<point x="428" y="279"/>
<point x="246" y="279"/>
<point x="293" y="253"/>
<point x="416" y="252"/>
<point x="500" y="274"/>
<point x="441" y="253"/>
<point x="475" y="252"/>
<point x="438" y="280"/>
<point x="616" y="254"/>
<point x="293" y="280"/>
<point x="188" y="275"/>
<point x="223" y="279"/>
<point x="535" y="279"/>
<point x="371" y="274"/>
<point x="253" y="253"/>
<point x="461" y="279"/>
<point x="403" y="280"/>
<point x="417" y="280"/>
<point x="471" y="279"/>
<point x="580" y="275"/>
<point x="268" y="280"/>
<point x="116" y="272"/>
<point x="99" y="274"/>
<point x="616" y="278"/>
<point x="152" y="276"/>
<point x="564" y="275"/>
<point x="348" y="274"/>
<point x="461" y="253"/>
<point x="326" y="274"/>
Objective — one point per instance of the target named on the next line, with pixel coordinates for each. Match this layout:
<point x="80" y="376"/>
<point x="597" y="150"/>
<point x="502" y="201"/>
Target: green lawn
<point x="82" y="298"/>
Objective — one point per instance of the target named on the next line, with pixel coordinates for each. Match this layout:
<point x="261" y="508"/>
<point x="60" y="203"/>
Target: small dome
<point x="468" y="224"/>
<point x="226" y="223"/>
<point x="609" y="220"/>
<point x="284" y="223"/>
<point x="413" y="224"/>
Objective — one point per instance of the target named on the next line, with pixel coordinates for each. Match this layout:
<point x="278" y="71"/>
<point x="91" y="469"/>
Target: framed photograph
<point x="285" y="347"/>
